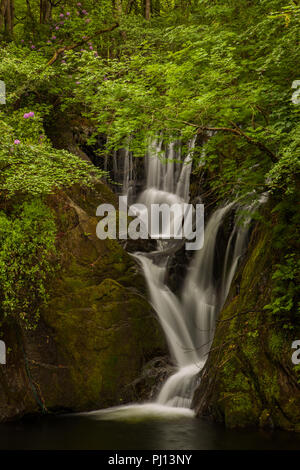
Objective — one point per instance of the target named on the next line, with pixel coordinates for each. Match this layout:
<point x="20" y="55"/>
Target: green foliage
<point x="284" y="176"/>
<point x="223" y="66"/>
<point x="286" y="289"/>
<point x="196" y="65"/>
<point x="26" y="261"/>
<point x="287" y="12"/>
<point x="29" y="169"/>
<point x="33" y="167"/>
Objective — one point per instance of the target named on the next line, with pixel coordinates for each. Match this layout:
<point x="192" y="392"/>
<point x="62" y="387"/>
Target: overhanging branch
<point x="237" y="131"/>
<point x="63" y="49"/>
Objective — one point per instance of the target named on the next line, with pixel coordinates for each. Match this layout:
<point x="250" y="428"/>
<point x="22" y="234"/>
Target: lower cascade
<point x="188" y="319"/>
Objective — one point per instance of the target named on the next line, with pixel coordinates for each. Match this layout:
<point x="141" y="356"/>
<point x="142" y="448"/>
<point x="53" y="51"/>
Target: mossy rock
<point x="98" y="330"/>
<point x="249" y="378"/>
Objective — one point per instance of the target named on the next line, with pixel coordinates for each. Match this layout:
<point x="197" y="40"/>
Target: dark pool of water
<point x="183" y="433"/>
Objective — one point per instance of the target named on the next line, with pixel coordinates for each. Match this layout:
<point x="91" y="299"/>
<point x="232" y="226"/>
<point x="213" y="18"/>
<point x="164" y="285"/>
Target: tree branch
<point x="237" y="131"/>
<point x="61" y="50"/>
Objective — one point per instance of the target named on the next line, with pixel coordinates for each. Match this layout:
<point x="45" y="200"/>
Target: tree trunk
<point x="7" y="14"/>
<point x="45" y="11"/>
<point x="147" y="9"/>
<point x="2" y="12"/>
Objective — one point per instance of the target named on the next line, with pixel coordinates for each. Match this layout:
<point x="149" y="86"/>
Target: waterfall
<point x="188" y="317"/>
<point x="188" y="320"/>
<point x="183" y="184"/>
<point x="127" y="173"/>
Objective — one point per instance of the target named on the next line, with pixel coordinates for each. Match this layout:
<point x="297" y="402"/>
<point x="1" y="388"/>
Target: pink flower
<point x="53" y="37"/>
<point x="57" y="28"/>
<point x="63" y="61"/>
<point x="77" y="83"/>
<point x="28" y="115"/>
<point x="87" y="20"/>
<point x="62" y="22"/>
<point x="32" y="47"/>
<point x="91" y="48"/>
<point x="68" y="13"/>
<point x="61" y="15"/>
<point x="84" y="12"/>
<point x="22" y="40"/>
<point x="17" y="142"/>
<point x="48" y="42"/>
<point x="79" y="4"/>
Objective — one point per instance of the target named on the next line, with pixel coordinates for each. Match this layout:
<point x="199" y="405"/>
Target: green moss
<point x="240" y="411"/>
<point x="90" y="342"/>
<point x="276" y="343"/>
<point x="100" y="329"/>
<point x="265" y="419"/>
<point x="99" y="322"/>
<point x="269" y="383"/>
<point x="254" y="383"/>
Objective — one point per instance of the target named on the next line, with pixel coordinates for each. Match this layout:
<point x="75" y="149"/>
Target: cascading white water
<point x="127" y="174"/>
<point x="189" y="320"/>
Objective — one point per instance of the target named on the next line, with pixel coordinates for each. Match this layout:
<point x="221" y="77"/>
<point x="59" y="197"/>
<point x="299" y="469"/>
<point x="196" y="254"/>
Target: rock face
<point x="249" y="378"/>
<point x="96" y="334"/>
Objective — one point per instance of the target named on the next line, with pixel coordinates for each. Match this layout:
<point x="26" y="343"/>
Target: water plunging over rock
<point x="188" y="320"/>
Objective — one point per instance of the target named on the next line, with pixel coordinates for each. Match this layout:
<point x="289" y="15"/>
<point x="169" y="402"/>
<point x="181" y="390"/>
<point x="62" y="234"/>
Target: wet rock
<point x="154" y="374"/>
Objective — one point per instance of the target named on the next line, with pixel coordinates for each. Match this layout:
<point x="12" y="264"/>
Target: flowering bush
<point x="32" y="167"/>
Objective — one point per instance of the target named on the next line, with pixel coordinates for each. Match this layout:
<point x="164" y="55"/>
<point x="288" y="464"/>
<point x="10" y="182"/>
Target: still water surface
<point x="136" y="428"/>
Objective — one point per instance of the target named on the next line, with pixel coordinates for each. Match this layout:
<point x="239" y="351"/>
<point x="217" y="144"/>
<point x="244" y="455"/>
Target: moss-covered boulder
<point x="249" y="378"/>
<point x="98" y="330"/>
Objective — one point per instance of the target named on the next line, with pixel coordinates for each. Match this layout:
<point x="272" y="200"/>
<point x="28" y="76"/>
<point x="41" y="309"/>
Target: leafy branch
<point x="237" y="131"/>
<point x="63" y="49"/>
